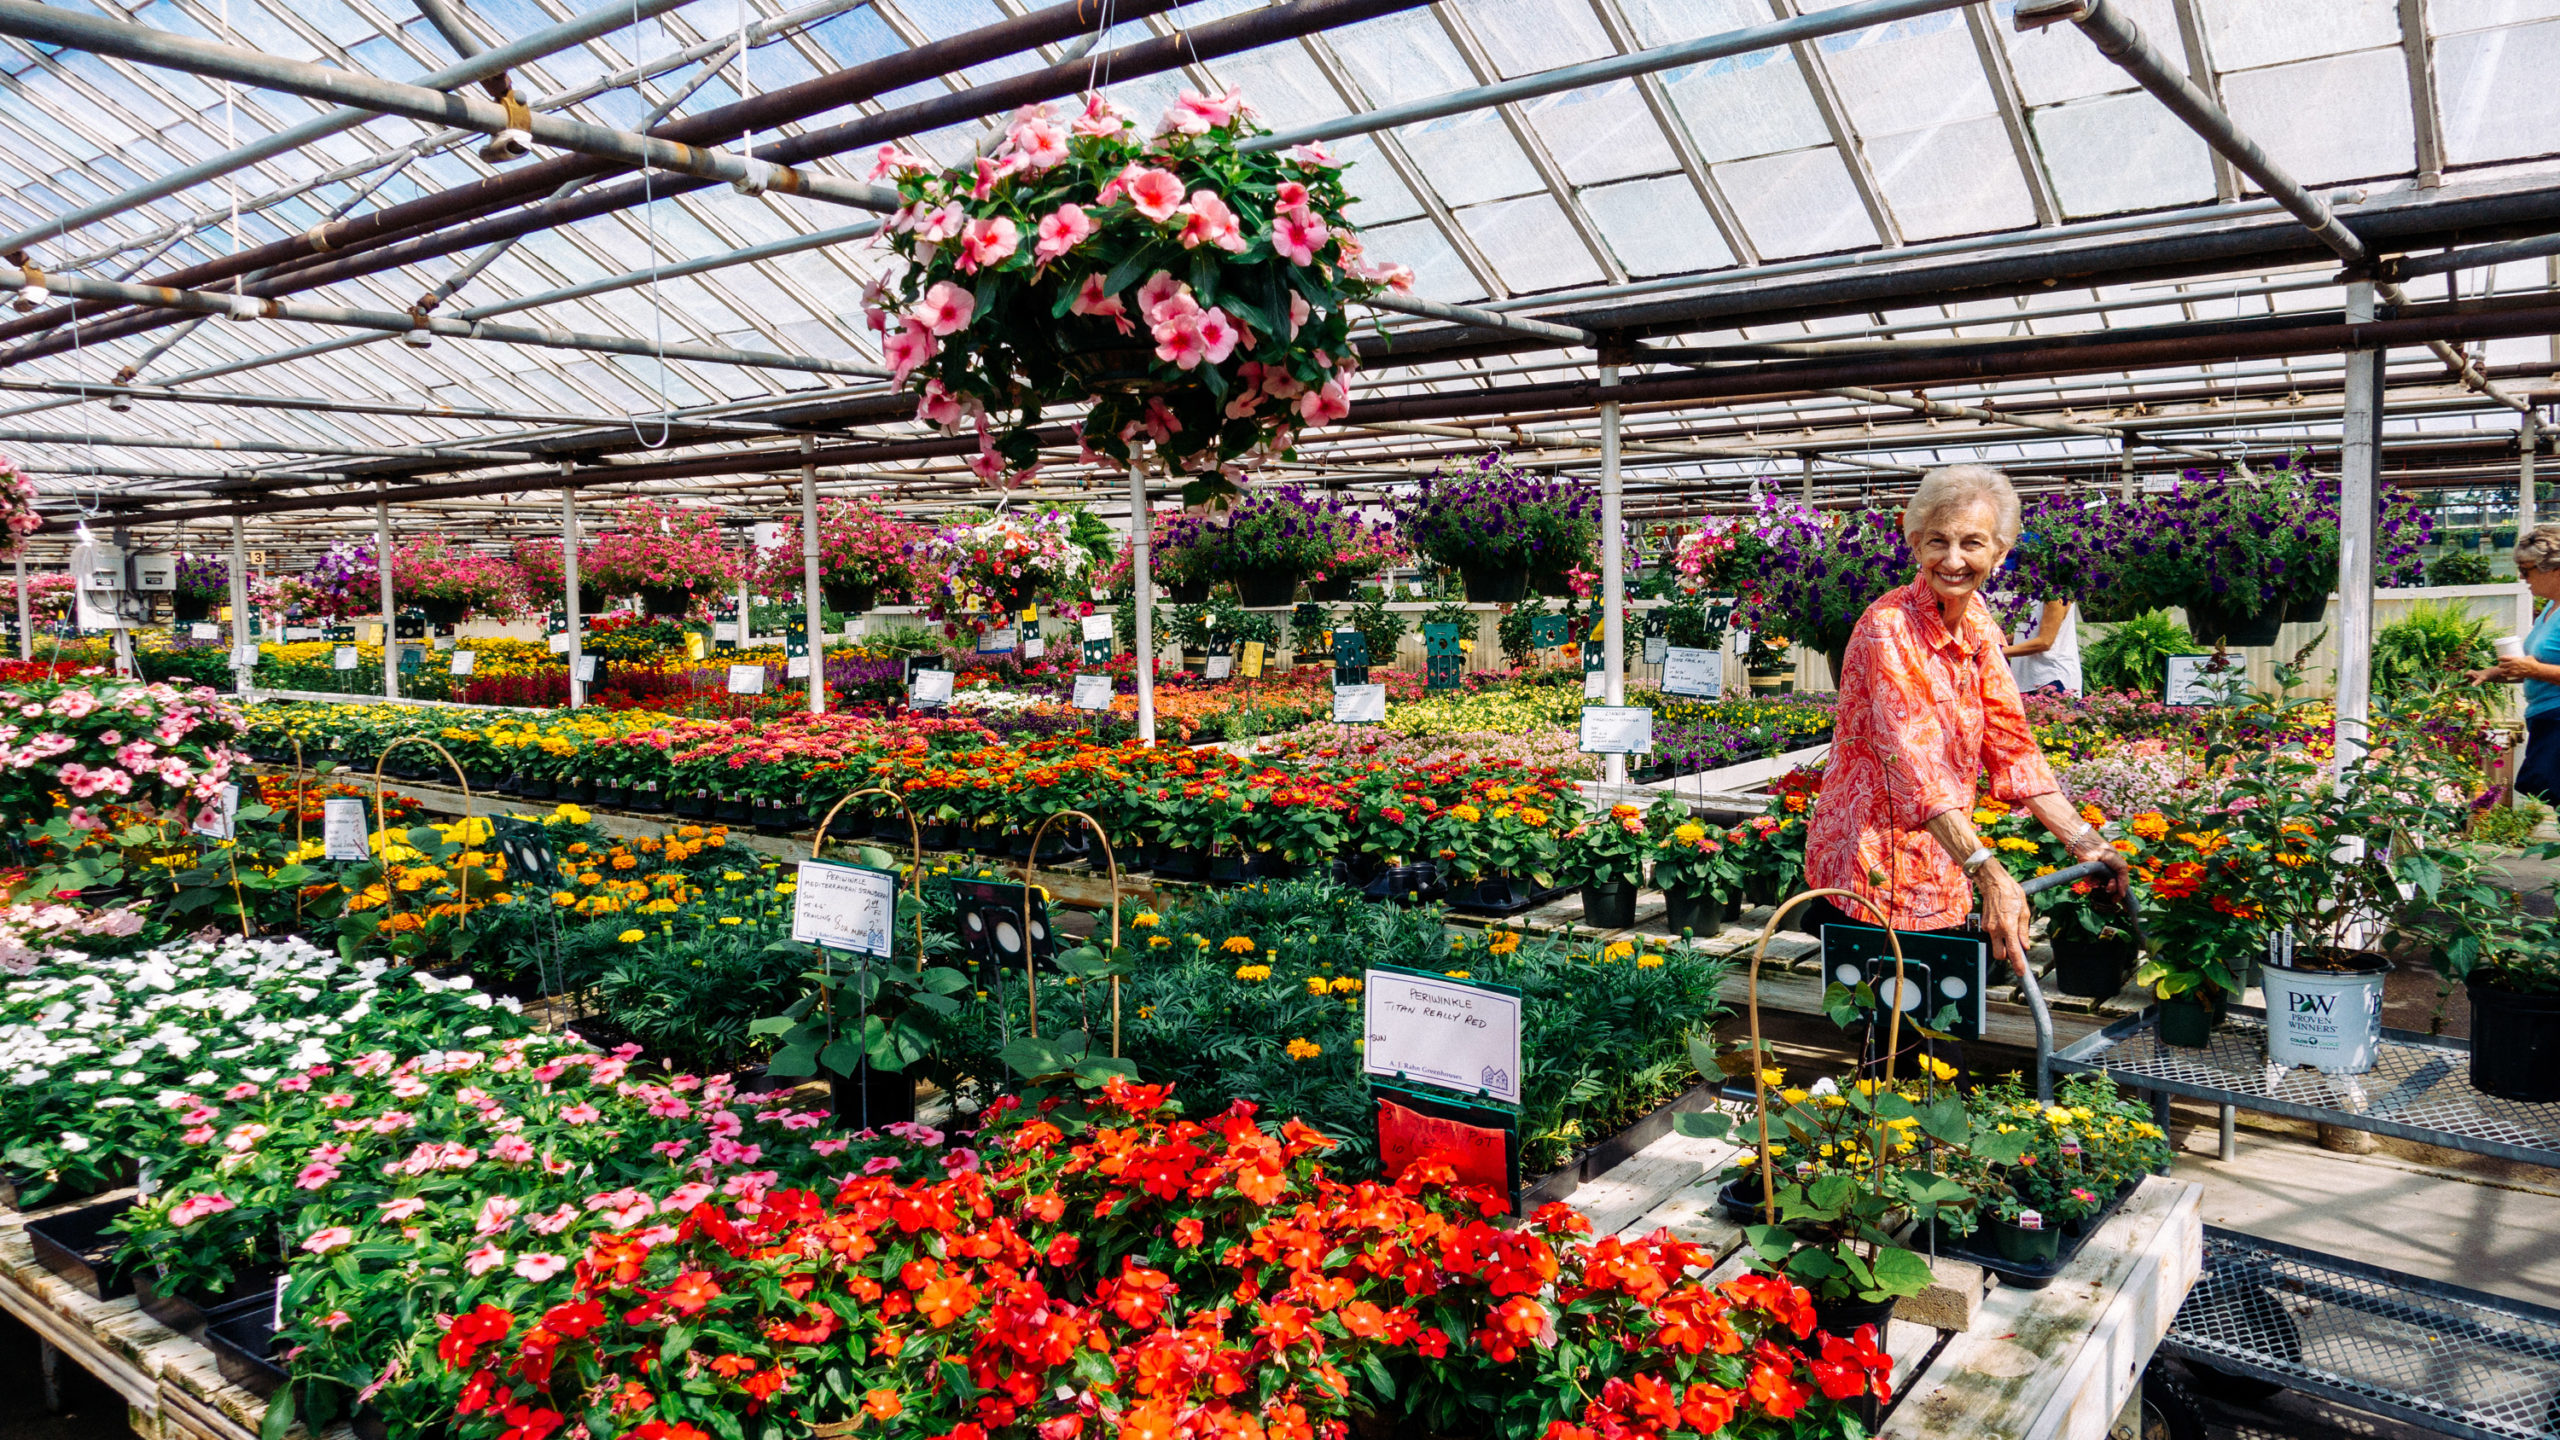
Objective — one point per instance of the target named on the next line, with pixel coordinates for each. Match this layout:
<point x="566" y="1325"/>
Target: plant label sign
<point x="746" y="679"/>
<point x="1452" y="1033"/>
<point x="220" y="817"/>
<point x="796" y="668"/>
<point x="1444" y="661"/>
<point x="930" y="690"/>
<point x="1617" y="730"/>
<point x="844" y="907"/>
<point x="2191" y="683"/>
<point x="342" y="830"/>
<point x="586" y="669"/>
<point x="194" y="632"/>
<point x="244" y="657"/>
<point x="1359" y="704"/>
<point x="1698" y="674"/>
<point x="343" y="658"/>
<point x="1252" y="666"/>
<point x="1220" y="667"/>
<point x="558" y="640"/>
<point x="1093" y="692"/>
<point x="524" y="847"/>
<point x="463" y="660"/>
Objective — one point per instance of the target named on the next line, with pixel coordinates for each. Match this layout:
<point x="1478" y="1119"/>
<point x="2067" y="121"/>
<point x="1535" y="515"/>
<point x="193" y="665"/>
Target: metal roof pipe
<point x="58" y="25"/>
<point x="14" y="436"/>
<point x="448" y="23"/>
<point x="252" y="307"/>
<point x="462" y="203"/>
<point x="566" y="35"/>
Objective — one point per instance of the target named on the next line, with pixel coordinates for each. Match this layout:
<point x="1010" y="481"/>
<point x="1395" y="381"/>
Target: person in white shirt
<point x="2045" y="652"/>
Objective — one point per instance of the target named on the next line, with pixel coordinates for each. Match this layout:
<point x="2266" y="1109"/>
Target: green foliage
<point x="1383" y="628"/>
<point x="2506" y="827"/>
<point x="2459" y="567"/>
<point x="2134" y="654"/>
<point x="1308" y="625"/>
<point x="2428" y="648"/>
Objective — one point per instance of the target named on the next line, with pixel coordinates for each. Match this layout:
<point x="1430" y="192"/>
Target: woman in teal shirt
<point x="2538" y="561"/>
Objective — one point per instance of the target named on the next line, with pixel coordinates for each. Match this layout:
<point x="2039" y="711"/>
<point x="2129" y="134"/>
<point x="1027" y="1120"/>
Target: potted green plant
<point x="1499" y="526"/>
<point x="1695" y="869"/>
<point x="203" y="581"/>
<point x="1605" y="856"/>
<point x="2509" y="964"/>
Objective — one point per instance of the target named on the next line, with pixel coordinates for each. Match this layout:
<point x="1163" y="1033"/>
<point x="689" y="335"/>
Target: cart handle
<point x="2085" y="870"/>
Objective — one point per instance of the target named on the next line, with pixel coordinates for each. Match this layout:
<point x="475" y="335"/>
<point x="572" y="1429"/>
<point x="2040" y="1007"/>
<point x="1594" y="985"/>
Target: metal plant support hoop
<point x="1759" y="1087"/>
<point x="1030" y="955"/>
<point x="391" y="892"/>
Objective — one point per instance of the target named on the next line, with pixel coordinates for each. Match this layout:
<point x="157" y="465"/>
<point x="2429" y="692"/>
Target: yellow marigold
<point x="1648" y="961"/>
<point x="1347" y="985"/>
<point x="1617" y="950"/>
<point x="632" y="937"/>
<point x="1773" y="1077"/>
<point x="1236" y="945"/>
<point x="1504" y="942"/>
<point x="1304" y="1049"/>
<point x="563" y="897"/>
<point x="1146" y="1012"/>
<point x="730" y="920"/>
<point x="1458" y="974"/>
<point x="1689" y="832"/>
<point x="1315" y="985"/>
<point x="1254" y="973"/>
<point x="1158" y="942"/>
<point x="2151" y="825"/>
<point x="2091" y="813"/>
<point x="2018" y="843"/>
<point x="1146" y="920"/>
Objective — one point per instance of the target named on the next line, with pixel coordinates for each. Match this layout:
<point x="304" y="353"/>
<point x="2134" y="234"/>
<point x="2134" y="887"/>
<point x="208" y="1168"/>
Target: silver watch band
<point x="1974" y="861"/>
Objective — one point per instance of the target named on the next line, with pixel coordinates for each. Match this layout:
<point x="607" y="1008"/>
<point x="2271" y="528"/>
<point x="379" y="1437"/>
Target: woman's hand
<point x="2004" y="912"/>
<point x="2491" y="676"/>
<point x="2119" y="881"/>
<point x="2525" y="667"/>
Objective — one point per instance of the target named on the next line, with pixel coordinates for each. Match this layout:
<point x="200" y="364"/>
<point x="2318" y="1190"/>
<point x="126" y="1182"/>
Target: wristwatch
<point x="1973" y="862"/>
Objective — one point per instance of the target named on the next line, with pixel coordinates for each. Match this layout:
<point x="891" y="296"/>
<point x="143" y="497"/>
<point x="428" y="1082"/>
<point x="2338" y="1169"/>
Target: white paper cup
<point x="2508" y="647"/>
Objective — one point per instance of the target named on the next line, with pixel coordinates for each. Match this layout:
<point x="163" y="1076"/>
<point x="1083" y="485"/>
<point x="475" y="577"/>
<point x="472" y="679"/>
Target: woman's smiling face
<point x="1959" y="549"/>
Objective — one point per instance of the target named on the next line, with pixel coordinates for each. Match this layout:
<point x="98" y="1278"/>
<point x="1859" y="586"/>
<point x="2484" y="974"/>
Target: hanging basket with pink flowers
<point x="1191" y="288"/>
<point x="673" y="557"/>
<point x="18" y="517"/>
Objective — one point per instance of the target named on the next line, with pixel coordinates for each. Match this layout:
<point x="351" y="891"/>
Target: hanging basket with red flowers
<point x="1190" y="288"/>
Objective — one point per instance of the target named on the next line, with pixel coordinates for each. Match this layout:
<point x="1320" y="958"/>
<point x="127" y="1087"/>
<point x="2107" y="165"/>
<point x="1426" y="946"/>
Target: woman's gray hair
<point x="2538" y="549"/>
<point x="1961" y="484"/>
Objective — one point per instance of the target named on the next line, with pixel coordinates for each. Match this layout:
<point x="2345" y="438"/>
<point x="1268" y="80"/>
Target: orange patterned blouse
<point x="1922" y="712"/>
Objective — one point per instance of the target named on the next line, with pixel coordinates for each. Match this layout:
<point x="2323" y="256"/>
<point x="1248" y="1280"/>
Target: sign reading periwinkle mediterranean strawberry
<point x="1442" y="1030"/>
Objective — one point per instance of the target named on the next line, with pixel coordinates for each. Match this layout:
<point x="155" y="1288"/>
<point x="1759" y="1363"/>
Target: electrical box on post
<point x="156" y="572"/>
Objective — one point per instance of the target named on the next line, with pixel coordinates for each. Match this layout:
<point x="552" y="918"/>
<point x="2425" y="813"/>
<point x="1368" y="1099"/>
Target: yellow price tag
<point x="370" y="633"/>
<point x="694" y="648"/>
<point x="1252" y="658"/>
<point x="1030" y="614"/>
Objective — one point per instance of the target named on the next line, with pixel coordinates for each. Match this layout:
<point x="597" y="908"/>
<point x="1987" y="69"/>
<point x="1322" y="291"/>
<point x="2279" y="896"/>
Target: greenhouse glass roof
<point x="1940" y="137"/>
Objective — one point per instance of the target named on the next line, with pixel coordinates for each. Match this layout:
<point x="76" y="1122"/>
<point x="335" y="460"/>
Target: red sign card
<point x="1476" y="1153"/>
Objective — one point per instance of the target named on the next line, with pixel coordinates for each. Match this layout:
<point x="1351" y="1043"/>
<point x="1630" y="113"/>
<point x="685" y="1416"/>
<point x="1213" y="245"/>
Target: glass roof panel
<point x="1658" y="226"/>
<point x="1521" y="37"/>
<point x="2503" y="104"/>
<point x="1438" y="273"/>
<point x="1379" y="196"/>
<point x="1470" y="157"/>
<point x="1401" y="57"/>
<point x="2327" y="121"/>
<point x="1756" y="104"/>
<point x="2249" y="33"/>
<point x="2058" y="62"/>
<point x="1955" y="179"/>
<point x="1799" y="203"/>
<point x="2448" y="16"/>
<point x="1530" y="244"/>
<point x="1605" y="133"/>
<point x="1909" y="75"/>
<point x="2118" y="153"/>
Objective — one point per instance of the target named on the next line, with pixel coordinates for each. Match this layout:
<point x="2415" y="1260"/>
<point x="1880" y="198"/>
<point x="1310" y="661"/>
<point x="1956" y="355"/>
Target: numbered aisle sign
<point x="1359" y="704"/>
<point x="795" y="637"/>
<point x="844" y="907"/>
<point x="343" y="658"/>
<point x="342" y="829"/>
<point x="1460" y="1034"/>
<point x="463" y="660"/>
<point x="1093" y="692"/>
<point x="412" y="659"/>
<point x="1548" y="632"/>
<point x="1028" y="639"/>
<point x="1617" y="730"/>
<point x="1698" y="674"/>
<point x="1097" y="639"/>
<point x="525" y="847"/>
<point x="1444" y="661"/>
<point x="930" y="690"/>
<point x="746" y="679"/>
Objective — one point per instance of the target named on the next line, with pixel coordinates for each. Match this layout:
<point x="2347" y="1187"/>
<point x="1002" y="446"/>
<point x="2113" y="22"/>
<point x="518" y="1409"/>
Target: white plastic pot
<point x="2330" y="1020"/>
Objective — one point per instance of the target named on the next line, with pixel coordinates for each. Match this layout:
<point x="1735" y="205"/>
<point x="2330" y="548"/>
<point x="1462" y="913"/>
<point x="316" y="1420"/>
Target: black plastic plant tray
<point x="243" y="1341"/>
<point x="1974" y="1249"/>
<point x="73" y="1244"/>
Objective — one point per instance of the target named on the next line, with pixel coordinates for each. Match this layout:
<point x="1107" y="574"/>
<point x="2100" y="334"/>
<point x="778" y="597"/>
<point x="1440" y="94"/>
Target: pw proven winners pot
<point x="2325" y="1011"/>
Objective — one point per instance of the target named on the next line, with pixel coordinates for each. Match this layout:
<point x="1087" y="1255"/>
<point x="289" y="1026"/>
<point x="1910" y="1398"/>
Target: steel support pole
<point x="809" y="593"/>
<point x="2360" y="455"/>
<point x="26" y="635"/>
<point x="2125" y="490"/>
<point x="382" y="565"/>
<point x="1613" y="568"/>
<point x="569" y="589"/>
<point x="2528" y="440"/>
<point x="1808" y="475"/>
<point x="240" y="604"/>
<point x="1142" y="583"/>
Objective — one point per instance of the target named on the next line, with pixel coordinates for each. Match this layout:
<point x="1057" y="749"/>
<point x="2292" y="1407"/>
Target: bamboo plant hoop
<point x="391" y="892"/>
<point x="1030" y="981"/>
<point x="1759" y="1086"/>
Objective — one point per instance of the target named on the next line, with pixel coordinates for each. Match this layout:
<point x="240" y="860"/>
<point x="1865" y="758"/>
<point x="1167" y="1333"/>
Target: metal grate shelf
<point x="2451" y="1360"/>
<point x="2420" y="1089"/>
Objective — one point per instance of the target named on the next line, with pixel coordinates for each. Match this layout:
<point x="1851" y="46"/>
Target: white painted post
<point x="2360" y="459"/>
<point x="809" y="595"/>
<point x="1142" y="593"/>
<point x="1613" y="566"/>
<point x="569" y="608"/>
<point x="382" y="563"/>
<point x="239" y="603"/>
<point x="26" y="632"/>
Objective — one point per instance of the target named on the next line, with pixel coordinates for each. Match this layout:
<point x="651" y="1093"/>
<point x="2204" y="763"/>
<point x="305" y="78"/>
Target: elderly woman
<point x="1927" y="705"/>
<point x="2538" y="561"/>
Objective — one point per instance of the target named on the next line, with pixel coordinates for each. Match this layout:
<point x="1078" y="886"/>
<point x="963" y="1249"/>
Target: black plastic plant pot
<point x="243" y="1342"/>
<point x="74" y="1245"/>
<point x="1180" y="862"/>
<point x="2188" y="1022"/>
<point x="1486" y="586"/>
<point x="612" y="795"/>
<point x="646" y="800"/>
<point x="1406" y="884"/>
<point x="2515" y="1044"/>
<point x="692" y="804"/>
<point x="1843" y="1317"/>
<point x="1609" y="907"/>
<point x="1699" y="913"/>
<point x="483" y="782"/>
<point x="2215" y="624"/>
<point x="2021" y="1246"/>
<point x="1227" y="869"/>
<point x="2091" y="969"/>
<point x="1271" y="865"/>
<point x="533" y="787"/>
<point x="582" y="791"/>
<point x="1188" y="592"/>
<point x="733" y="810"/>
<point x="1331" y="590"/>
<point x="869" y="1099"/>
<point x="1265" y="589"/>
<point x="939" y="837"/>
